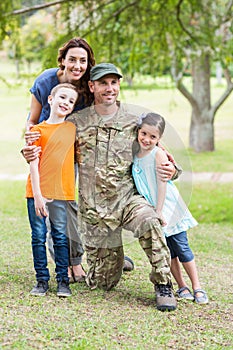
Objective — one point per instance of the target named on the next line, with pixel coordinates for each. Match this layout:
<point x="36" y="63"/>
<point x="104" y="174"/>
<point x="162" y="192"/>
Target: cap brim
<point x="101" y="75"/>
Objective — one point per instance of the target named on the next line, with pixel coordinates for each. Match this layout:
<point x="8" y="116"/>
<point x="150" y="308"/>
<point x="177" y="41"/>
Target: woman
<point x="75" y="60"/>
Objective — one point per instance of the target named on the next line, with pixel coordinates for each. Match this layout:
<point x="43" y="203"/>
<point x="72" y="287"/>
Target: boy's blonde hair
<point x="63" y="85"/>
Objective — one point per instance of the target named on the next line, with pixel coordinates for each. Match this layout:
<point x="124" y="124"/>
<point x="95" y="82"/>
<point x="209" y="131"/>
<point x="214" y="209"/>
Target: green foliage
<point x="51" y="52"/>
<point x="7" y="22"/>
<point x="134" y="34"/>
<point x="33" y="38"/>
<point x="36" y="34"/>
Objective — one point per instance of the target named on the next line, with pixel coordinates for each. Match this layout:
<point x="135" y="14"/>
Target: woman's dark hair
<point x="82" y="86"/>
<point x="152" y="119"/>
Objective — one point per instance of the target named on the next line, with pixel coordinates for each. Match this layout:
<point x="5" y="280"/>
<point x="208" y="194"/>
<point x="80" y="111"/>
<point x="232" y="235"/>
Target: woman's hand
<point x="31" y="136"/>
<point x="30" y="153"/>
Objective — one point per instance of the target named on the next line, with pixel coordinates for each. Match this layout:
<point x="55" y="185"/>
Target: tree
<point x="206" y="36"/>
<point x="146" y="36"/>
<point x="37" y="33"/>
<point x="186" y="35"/>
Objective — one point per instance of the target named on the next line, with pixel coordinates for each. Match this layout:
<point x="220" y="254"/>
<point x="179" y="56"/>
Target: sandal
<point x="188" y="296"/>
<point x="202" y="299"/>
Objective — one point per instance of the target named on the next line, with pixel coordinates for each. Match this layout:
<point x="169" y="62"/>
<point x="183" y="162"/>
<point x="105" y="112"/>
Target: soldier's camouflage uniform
<point x="108" y="200"/>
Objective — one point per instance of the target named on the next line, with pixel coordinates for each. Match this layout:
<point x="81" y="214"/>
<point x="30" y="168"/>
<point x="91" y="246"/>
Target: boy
<point x="50" y="185"/>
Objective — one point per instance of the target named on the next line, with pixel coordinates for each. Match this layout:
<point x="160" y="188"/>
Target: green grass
<point x="124" y="318"/>
<point x="212" y="203"/>
<point x="218" y="161"/>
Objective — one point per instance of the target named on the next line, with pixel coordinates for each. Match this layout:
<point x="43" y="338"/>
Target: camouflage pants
<point x="105" y="264"/>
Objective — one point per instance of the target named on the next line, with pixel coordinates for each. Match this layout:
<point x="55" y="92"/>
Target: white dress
<point x="175" y="211"/>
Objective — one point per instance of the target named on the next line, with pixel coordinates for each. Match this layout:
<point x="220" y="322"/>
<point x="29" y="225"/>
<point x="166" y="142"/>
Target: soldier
<point x="108" y="200"/>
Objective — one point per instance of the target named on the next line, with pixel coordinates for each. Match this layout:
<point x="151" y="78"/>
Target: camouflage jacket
<point x="104" y="153"/>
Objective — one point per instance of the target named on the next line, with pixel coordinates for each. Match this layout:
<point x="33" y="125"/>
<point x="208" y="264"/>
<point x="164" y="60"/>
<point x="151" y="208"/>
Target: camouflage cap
<point x="102" y="69"/>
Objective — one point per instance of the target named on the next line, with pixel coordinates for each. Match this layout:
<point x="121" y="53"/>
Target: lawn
<point x="124" y="318"/>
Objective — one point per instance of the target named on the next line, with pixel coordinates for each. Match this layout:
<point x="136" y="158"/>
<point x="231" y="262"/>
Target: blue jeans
<point x="58" y="221"/>
<point x="179" y="247"/>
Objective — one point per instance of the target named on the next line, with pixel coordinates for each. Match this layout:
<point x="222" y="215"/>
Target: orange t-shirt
<point x="56" y="164"/>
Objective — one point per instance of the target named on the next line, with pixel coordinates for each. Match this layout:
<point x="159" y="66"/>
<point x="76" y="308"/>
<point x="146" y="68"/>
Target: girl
<point x="171" y="209"/>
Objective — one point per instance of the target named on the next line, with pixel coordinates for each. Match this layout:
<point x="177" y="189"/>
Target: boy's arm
<point x="35" y="180"/>
<point x="162" y="185"/>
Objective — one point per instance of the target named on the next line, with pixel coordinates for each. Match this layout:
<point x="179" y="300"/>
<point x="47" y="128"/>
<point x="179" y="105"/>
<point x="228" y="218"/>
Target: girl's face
<point x="75" y="64"/>
<point x="148" y="137"/>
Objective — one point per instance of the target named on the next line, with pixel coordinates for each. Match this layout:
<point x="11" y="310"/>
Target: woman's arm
<point x="35" y="180"/>
<point x="35" y="111"/>
<point x="29" y="151"/>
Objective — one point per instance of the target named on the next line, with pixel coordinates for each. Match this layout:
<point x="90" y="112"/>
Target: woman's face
<point x="75" y="64"/>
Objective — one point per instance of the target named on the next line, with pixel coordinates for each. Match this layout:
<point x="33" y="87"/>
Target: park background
<point x="124" y="318"/>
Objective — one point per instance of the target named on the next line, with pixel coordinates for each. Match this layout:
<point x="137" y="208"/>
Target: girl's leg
<point x="199" y="294"/>
<point x="179" y="249"/>
<point x="186" y="257"/>
<point x="177" y="272"/>
<point x="191" y="269"/>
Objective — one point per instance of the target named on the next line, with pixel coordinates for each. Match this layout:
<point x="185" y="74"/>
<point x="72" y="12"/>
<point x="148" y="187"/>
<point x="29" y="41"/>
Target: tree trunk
<point x="201" y="134"/>
<point x="17" y="65"/>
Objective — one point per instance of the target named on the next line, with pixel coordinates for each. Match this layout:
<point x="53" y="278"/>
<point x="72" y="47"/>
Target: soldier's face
<point x="105" y="89"/>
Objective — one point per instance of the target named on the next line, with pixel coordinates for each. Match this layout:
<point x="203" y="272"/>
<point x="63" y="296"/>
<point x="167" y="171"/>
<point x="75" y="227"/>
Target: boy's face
<point x="63" y="102"/>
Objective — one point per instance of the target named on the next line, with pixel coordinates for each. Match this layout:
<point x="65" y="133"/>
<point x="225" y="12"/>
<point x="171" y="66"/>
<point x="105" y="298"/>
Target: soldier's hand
<point x="165" y="171"/>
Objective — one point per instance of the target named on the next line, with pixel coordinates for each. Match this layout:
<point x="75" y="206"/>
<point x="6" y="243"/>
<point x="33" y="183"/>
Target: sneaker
<point x="40" y="288"/>
<point x="165" y="300"/>
<point x="128" y="264"/>
<point x="63" y="289"/>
